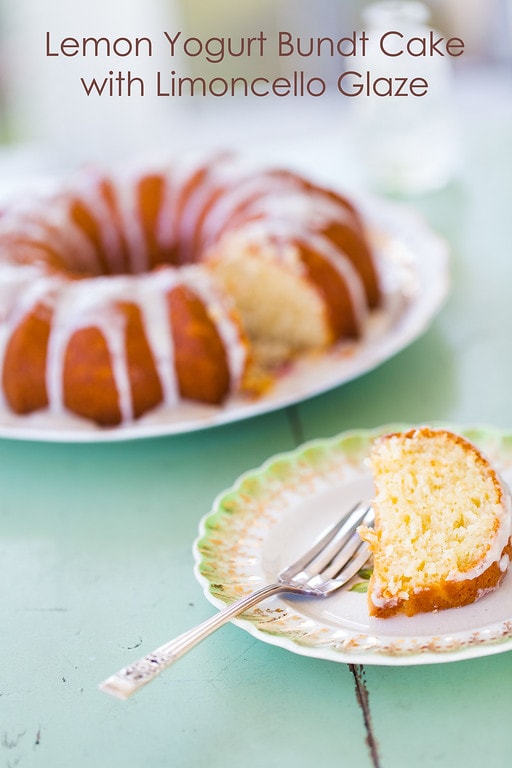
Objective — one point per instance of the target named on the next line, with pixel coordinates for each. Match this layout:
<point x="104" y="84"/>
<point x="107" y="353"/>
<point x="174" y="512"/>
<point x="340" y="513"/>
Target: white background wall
<point x="46" y="100"/>
<point x="43" y="101"/>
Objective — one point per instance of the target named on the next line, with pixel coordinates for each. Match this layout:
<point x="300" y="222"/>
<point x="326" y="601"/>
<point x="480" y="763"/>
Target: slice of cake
<point x="442" y="535"/>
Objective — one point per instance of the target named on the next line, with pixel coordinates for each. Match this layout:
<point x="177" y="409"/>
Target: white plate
<point x="413" y="263"/>
<point x="273" y="514"/>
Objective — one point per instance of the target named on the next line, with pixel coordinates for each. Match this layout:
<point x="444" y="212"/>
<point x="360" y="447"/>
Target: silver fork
<point x="326" y="567"/>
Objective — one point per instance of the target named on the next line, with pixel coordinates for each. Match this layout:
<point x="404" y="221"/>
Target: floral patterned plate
<point x="273" y="514"/>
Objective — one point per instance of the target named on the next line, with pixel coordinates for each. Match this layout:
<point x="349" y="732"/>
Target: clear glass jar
<point x="407" y="144"/>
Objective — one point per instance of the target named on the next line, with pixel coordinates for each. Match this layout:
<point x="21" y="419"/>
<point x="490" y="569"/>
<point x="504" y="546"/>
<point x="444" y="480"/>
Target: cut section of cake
<point x="442" y="535"/>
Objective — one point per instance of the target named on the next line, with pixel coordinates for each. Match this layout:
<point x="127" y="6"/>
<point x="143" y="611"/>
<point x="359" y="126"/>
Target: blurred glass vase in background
<point x="407" y="141"/>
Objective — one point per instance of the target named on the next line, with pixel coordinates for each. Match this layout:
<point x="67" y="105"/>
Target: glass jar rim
<point x="389" y="12"/>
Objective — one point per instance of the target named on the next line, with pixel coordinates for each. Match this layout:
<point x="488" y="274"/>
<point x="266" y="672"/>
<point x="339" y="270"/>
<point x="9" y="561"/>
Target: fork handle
<point x="129" y="679"/>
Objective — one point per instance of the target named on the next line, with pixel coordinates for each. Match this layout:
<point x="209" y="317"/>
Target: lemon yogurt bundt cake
<point x="442" y="535"/>
<point x="124" y="292"/>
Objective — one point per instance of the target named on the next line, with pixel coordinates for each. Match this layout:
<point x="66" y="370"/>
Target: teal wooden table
<point x="97" y="565"/>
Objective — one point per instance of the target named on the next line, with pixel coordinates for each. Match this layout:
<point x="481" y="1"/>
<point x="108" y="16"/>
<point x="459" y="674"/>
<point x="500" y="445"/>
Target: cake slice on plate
<point x="442" y="535"/>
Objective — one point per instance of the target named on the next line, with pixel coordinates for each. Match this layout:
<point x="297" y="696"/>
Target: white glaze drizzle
<point x="127" y="195"/>
<point x="277" y="199"/>
<point x="311" y="211"/>
<point x="344" y="267"/>
<point x="90" y="194"/>
<point x="152" y="299"/>
<point x="170" y="229"/>
<point x="88" y="304"/>
<point x="166" y="233"/>
<point x="497" y="545"/>
<point x="220" y="314"/>
<point x="192" y="212"/>
<point x="221" y="212"/>
<point x="91" y="303"/>
<point x="34" y="224"/>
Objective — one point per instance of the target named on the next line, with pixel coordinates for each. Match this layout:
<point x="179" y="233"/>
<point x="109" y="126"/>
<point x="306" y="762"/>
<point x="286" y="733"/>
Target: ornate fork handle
<point x="327" y="566"/>
<point x="129" y="679"/>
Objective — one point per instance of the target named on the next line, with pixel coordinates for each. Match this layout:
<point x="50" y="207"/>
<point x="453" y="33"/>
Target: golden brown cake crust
<point x="333" y="290"/>
<point x="24" y="370"/>
<point x="201" y="362"/>
<point x="447" y="594"/>
<point x="89" y="386"/>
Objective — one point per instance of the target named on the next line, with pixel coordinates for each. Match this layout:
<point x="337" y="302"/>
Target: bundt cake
<point x="442" y="535"/>
<point x="124" y="292"/>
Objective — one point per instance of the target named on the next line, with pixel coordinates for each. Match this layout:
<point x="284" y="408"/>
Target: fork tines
<point x="336" y="547"/>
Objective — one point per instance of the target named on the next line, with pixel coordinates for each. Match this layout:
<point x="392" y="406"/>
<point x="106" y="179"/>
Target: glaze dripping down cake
<point x="442" y="535"/>
<point x="124" y="292"/>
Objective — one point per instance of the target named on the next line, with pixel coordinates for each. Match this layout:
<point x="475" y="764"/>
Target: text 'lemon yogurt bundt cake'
<point x="125" y="292"/>
<point x="442" y="535"/>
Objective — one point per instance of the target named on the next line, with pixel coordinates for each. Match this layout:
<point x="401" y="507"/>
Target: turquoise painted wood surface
<point x="96" y="562"/>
